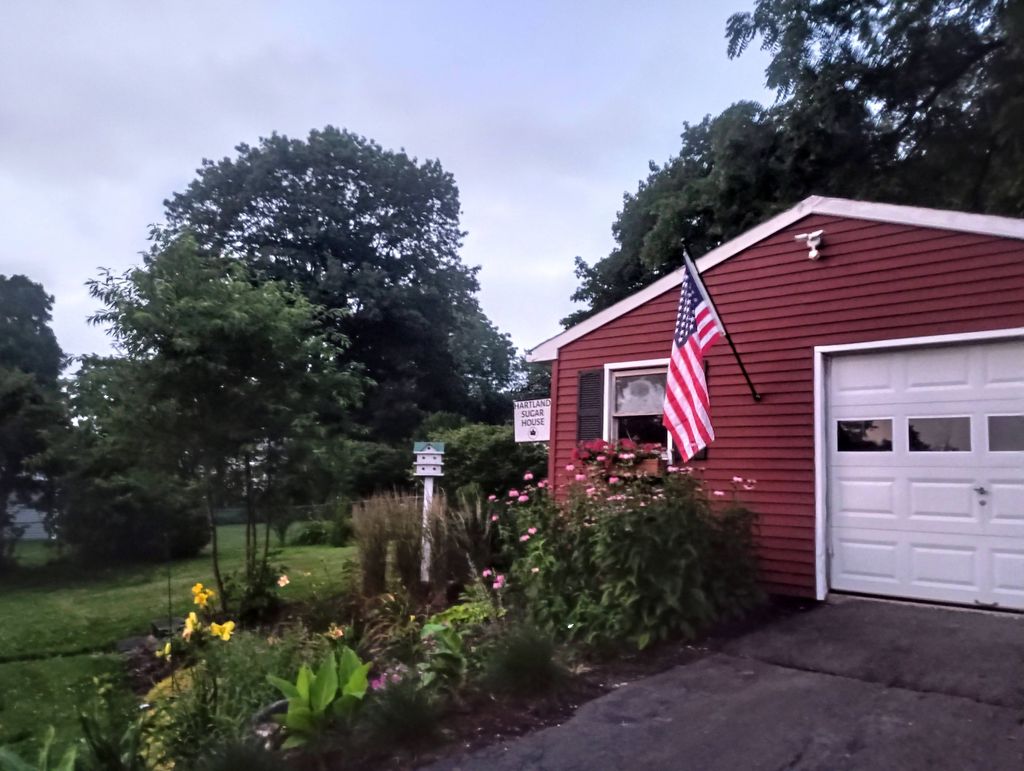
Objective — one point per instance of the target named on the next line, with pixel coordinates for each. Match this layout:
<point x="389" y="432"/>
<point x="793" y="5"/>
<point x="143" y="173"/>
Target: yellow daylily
<point x="165" y="652"/>
<point x="201" y="595"/>
<point x="223" y="631"/>
<point x="191" y="625"/>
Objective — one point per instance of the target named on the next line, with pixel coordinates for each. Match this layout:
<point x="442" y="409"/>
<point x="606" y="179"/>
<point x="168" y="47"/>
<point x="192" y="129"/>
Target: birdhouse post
<point x="429" y="465"/>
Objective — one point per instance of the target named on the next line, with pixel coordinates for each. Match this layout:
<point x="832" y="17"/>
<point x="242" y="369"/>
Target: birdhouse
<point x="429" y="459"/>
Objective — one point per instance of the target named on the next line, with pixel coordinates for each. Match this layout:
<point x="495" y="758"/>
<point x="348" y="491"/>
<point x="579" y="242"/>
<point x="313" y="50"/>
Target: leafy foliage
<point x="903" y="102"/>
<point x="44" y="761"/>
<point x="374" y="233"/>
<point x="30" y="404"/>
<point x="225" y="376"/>
<point x="335" y="691"/>
<point x="445" y="661"/>
<point x="212" y="703"/>
<point x="629" y="561"/>
<point x="487" y="457"/>
<point x="523" y="663"/>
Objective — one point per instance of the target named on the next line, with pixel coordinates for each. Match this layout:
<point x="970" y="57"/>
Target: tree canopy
<point x="903" y="102"/>
<point x="374" y="233"/>
<point x="30" y="404"/>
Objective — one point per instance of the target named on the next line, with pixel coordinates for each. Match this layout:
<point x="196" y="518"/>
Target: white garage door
<point x="926" y="473"/>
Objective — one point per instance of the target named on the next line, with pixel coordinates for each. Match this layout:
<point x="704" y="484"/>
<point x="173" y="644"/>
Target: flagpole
<point x="721" y="325"/>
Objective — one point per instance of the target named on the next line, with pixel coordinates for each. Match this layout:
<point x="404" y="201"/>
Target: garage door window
<point x="1006" y="433"/>
<point x="939" y="434"/>
<point x="864" y="435"/>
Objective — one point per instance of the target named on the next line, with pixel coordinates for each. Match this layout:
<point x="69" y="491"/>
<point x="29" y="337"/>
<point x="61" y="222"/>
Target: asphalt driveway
<point x="855" y="684"/>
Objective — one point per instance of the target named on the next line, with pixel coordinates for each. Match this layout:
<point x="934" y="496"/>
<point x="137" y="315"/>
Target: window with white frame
<point x="636" y="399"/>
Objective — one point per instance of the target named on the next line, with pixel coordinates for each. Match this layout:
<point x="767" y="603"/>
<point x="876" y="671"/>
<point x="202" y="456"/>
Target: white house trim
<point x="821" y="356"/>
<point x="984" y="224"/>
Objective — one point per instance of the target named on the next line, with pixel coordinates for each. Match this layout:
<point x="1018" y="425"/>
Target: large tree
<point x="374" y="233"/>
<point x="30" y="404"/>
<point x="230" y="377"/>
<point x="904" y="101"/>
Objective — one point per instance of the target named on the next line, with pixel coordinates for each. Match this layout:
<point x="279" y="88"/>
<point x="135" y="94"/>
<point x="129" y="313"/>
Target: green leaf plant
<point x="334" y="692"/>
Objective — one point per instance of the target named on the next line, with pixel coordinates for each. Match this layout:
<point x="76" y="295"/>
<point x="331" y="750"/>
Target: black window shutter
<point x="590" y="404"/>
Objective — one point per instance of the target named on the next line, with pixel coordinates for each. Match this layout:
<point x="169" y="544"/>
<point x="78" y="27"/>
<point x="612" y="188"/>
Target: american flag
<point x="687" y="411"/>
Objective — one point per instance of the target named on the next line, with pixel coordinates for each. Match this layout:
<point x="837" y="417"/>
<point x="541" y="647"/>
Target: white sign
<point x="532" y="420"/>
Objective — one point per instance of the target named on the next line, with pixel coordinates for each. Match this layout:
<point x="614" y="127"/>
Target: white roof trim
<point x="985" y="224"/>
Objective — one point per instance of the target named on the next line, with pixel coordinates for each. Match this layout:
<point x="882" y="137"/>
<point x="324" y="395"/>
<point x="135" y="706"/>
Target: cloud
<point x="544" y="112"/>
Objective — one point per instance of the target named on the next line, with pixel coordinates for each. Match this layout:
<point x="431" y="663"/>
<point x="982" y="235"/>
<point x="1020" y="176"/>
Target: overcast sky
<point x="545" y="112"/>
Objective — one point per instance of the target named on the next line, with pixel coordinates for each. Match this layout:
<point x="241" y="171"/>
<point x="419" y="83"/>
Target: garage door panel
<point x="1003" y="366"/>
<point x="935" y="565"/>
<point x="1006" y="506"/>
<point x="925" y="492"/>
<point x="1007" y="576"/>
<point x="868" y="497"/>
<point x="938" y="372"/>
<point x="939" y="503"/>
<point x="862" y="560"/>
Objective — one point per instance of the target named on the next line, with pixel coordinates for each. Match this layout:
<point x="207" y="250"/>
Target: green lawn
<point x="59" y="622"/>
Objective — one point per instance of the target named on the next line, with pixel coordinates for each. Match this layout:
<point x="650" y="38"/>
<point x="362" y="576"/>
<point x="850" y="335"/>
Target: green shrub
<point x="341" y="532"/>
<point x="625" y="560"/>
<point x="130" y="513"/>
<point x="523" y="663"/>
<point x="212" y="703"/>
<point x="315" y="532"/>
<point x="489" y="457"/>
<point x="401" y="713"/>
<point x="334" y="692"/>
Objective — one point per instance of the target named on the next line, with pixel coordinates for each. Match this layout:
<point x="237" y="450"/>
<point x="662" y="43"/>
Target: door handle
<point x="980" y="490"/>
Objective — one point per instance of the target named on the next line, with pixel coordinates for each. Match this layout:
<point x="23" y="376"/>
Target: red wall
<point x="875" y="281"/>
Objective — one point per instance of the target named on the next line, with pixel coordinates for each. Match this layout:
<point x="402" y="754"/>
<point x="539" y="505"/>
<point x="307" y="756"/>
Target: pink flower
<point x="738" y="480"/>
<point x="494" y="518"/>
<point x="626" y="456"/>
<point x="719" y="493"/>
<point x="487" y="573"/>
<point x="532" y="531"/>
<point x="377" y="683"/>
<point x="542" y="483"/>
<point x="581" y="477"/>
<point x="569" y="467"/>
<point x="513" y="493"/>
<point x="534" y="570"/>
<point x="751" y="481"/>
<point x="748" y="487"/>
<point x="673" y="469"/>
<point x="492" y="497"/>
<point x="601" y="458"/>
<point x="499" y="581"/>
<point x="524" y="538"/>
<point x="591" y="491"/>
<point x="523" y="498"/>
<point x="527" y="476"/>
<point x="396" y="678"/>
<point x="613" y="480"/>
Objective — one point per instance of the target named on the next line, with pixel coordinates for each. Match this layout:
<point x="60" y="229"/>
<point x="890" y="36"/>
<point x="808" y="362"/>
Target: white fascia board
<point x="984" y="224"/>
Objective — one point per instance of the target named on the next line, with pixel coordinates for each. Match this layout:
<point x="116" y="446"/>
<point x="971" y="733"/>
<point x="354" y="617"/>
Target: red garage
<point x="889" y="442"/>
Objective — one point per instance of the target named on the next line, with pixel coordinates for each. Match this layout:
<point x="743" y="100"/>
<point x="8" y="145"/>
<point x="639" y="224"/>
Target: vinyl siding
<point x="875" y="281"/>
